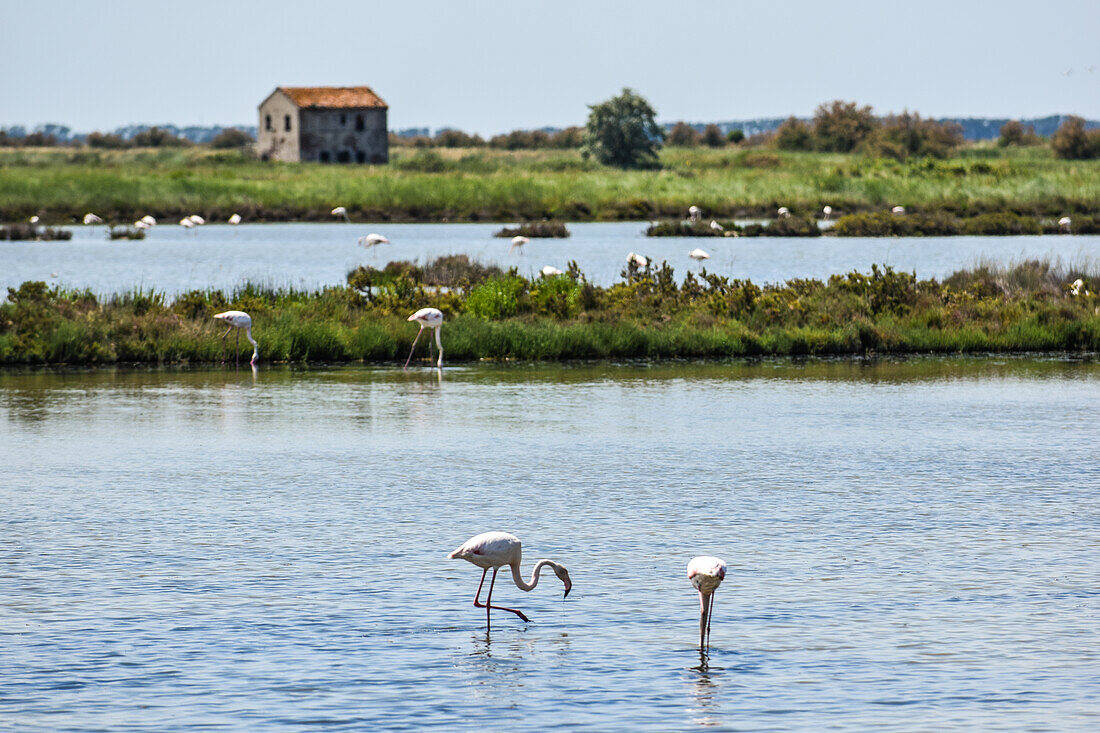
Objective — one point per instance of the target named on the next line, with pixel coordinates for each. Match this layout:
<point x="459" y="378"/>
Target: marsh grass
<point x="32" y="233"/>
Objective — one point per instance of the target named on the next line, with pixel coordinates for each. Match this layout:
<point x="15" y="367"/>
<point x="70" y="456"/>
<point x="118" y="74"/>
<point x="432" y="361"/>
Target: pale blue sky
<point x="493" y="66"/>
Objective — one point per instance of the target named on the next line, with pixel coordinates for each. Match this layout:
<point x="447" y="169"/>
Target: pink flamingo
<point x="494" y="549"/>
<point x="427" y="318"/>
<point x="240" y="321"/>
<point x="706" y="574"/>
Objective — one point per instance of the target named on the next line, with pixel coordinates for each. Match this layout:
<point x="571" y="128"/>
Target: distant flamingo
<point x="240" y="321"/>
<point x="827" y="211"/>
<point x="518" y="241"/>
<point x="549" y="271"/>
<point x="1064" y="223"/>
<point x="636" y="259"/>
<point x="235" y="219"/>
<point x="716" y="226"/>
<point x="495" y="549"/>
<point x="91" y="218"/>
<point x="341" y="211"/>
<point x="372" y="240"/>
<point x="186" y="223"/>
<point x="694" y="212"/>
<point x="784" y="212"/>
<point x="140" y="224"/>
<point x="897" y="210"/>
<point x="706" y="574"/>
<point x="148" y="219"/>
<point x="427" y="318"/>
<point x="1077" y="286"/>
<point x="33" y="219"/>
<point x="196" y="219"/>
<point x="698" y="254"/>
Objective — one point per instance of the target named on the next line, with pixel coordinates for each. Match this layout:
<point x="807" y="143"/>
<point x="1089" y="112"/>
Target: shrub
<point x="841" y="126"/>
<point x="901" y="136"/>
<point x="712" y="137"/>
<point x="622" y="132"/>
<point x="1014" y="133"/>
<point x="1073" y="142"/>
<point x="682" y="135"/>
<point x="32" y="233"/>
<point x="794" y="134"/>
<point x="423" y="161"/>
<point x="458" y="139"/>
<point x="735" y="136"/>
<point x="155" y="137"/>
<point x="496" y="298"/>
<point x="125" y="232"/>
<point x="231" y="138"/>
<point x="108" y="141"/>
<point x="538" y="229"/>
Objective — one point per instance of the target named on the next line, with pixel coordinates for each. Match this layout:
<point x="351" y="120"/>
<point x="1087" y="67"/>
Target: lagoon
<point x="912" y="546"/>
<point x="311" y="256"/>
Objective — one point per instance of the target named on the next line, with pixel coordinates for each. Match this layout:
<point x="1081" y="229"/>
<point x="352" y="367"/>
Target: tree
<point x="794" y="134"/>
<point x="231" y="138"/>
<point x="682" y="135"/>
<point x="1073" y="142"/>
<point x="623" y="132"/>
<point x="712" y="137"/>
<point x="840" y="126"/>
<point x="735" y="136"/>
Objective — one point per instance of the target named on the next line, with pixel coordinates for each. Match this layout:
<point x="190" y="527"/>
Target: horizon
<point x="497" y="68"/>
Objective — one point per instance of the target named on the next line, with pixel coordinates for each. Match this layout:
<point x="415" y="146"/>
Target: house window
<point x="360" y="156"/>
<point x="324" y="156"/>
<point x="343" y="119"/>
<point x="358" y="122"/>
<point x="286" y="122"/>
<point x="267" y="124"/>
<point x="343" y="157"/>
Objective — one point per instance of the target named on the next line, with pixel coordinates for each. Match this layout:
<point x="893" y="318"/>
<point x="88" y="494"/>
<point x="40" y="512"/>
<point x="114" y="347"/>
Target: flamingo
<point x="240" y="321"/>
<point x="1077" y="287"/>
<point x="91" y="218"/>
<point x="698" y="254"/>
<point x="372" y="240"/>
<point x="518" y="241"/>
<point x="341" y="211"/>
<point x="196" y="219"/>
<point x="716" y="226"/>
<point x="186" y="223"/>
<point x="427" y="318"/>
<point x="897" y="210"/>
<point x="235" y="219"/>
<point x="33" y="219"/>
<point x="637" y="259"/>
<point x="140" y="224"/>
<point x="784" y="212"/>
<point x="827" y="211"/>
<point x="149" y="220"/>
<point x="694" y="212"/>
<point x="549" y="271"/>
<point x="1064" y="223"/>
<point x="494" y="549"/>
<point x="706" y="574"/>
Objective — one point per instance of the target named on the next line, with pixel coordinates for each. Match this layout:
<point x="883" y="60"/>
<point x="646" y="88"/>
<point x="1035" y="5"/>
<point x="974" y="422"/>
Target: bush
<point x="107" y="141"/>
<point x="1073" y="142"/>
<point x="1014" y="133"/>
<point x="155" y="137"/>
<point x="496" y="298"/>
<point x="32" y="233"/>
<point x="900" y="136"/>
<point x="735" y="136"/>
<point x="125" y="232"/>
<point x="458" y="139"/>
<point x="231" y="138"/>
<point x="538" y="229"/>
<point x="423" y="161"/>
<point x="794" y="134"/>
<point x="623" y="132"/>
<point x="682" y="135"/>
<point x="841" y="126"/>
<point x="712" y="137"/>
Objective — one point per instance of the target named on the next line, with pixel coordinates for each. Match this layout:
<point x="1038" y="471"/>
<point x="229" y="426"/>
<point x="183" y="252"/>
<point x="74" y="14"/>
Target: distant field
<point x="61" y="185"/>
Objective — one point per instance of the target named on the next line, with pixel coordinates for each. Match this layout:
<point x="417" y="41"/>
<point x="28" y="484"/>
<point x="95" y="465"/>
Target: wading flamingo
<point x="91" y="218"/>
<point x="372" y="240"/>
<point x="186" y="223"/>
<point x="518" y="241"/>
<point x="549" y="271"/>
<point x="240" y="321"/>
<point x="427" y="318"/>
<point x="196" y="219"/>
<point x="148" y="219"/>
<point x="1064" y="223"/>
<point x="33" y="219"/>
<point x="637" y="259"/>
<point x="706" y="574"/>
<point x="235" y="219"/>
<point x="827" y="211"/>
<point x="694" y="212"/>
<point x="491" y="550"/>
<point x="716" y="226"/>
<point x="698" y="254"/>
<point x="341" y="211"/>
<point x="784" y="212"/>
<point x="1077" y="286"/>
<point x="898" y="210"/>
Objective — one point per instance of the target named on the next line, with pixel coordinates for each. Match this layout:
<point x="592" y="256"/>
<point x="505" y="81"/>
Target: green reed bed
<point x="61" y="185"/>
<point x="649" y="314"/>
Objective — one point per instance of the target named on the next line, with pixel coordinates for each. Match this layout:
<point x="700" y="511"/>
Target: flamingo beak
<point x="568" y="587"/>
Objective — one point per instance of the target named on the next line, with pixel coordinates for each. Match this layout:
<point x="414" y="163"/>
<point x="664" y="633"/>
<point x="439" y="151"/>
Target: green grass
<point x="61" y="185"/>
<point x="648" y="315"/>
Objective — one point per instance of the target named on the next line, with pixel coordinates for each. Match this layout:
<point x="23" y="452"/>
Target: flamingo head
<point x="563" y="576"/>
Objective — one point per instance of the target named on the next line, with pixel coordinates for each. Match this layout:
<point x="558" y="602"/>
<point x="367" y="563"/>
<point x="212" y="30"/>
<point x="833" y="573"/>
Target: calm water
<point x="174" y="260"/>
<point x="913" y="546"/>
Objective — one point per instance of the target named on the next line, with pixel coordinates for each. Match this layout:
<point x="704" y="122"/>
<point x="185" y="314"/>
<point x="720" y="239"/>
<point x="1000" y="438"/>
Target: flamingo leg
<point x="413" y="347"/>
<point x="224" y="337"/>
<point x="489" y="600"/>
<point x="702" y="620"/>
<point x="710" y="617"/>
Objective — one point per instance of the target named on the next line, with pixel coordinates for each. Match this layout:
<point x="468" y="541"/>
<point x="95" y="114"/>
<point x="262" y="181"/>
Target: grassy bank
<point x="494" y="315"/>
<point x="61" y="185"/>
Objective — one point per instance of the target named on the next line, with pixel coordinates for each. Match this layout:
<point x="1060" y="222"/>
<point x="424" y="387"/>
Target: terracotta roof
<point x="334" y="97"/>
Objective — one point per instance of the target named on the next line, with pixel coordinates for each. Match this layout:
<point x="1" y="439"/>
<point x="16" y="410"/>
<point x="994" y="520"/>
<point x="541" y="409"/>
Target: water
<point x="912" y="545"/>
<point x="309" y="256"/>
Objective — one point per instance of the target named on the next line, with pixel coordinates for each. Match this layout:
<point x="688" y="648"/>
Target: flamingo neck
<point x="255" y="346"/>
<point x="524" y="586"/>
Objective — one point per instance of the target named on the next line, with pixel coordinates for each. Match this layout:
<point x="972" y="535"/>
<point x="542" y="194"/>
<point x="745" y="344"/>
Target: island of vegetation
<point x="491" y="314"/>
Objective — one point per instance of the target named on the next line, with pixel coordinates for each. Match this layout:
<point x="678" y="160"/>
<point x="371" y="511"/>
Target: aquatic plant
<point x="538" y="229"/>
<point x="32" y="233"/>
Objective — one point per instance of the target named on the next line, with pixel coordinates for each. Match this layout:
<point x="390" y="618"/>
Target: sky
<point x="493" y="66"/>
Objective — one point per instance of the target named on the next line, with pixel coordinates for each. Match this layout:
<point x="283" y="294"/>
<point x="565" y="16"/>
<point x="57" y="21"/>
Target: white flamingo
<point x="33" y="219"/>
<point x="491" y="551"/>
<point x="518" y="241"/>
<point x="235" y="219"/>
<point x="242" y="322"/>
<point x="698" y="254"/>
<point x="149" y="220"/>
<point x="637" y="259"/>
<point x="91" y="218"/>
<point x="716" y="226"/>
<point x="694" y="212"/>
<point x="1064" y="223"/>
<point x="186" y="223"/>
<point x="427" y="318"/>
<point x="1078" y="286"/>
<point x="706" y="574"/>
<point x="341" y="211"/>
<point x="140" y="224"/>
<point x="897" y="210"/>
<point x="784" y="212"/>
<point x="196" y="219"/>
<point x="372" y="240"/>
<point x="549" y="271"/>
<point x="827" y="211"/>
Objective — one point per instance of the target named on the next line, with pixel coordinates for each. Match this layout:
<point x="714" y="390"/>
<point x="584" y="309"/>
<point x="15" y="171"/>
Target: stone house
<point x="323" y="125"/>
